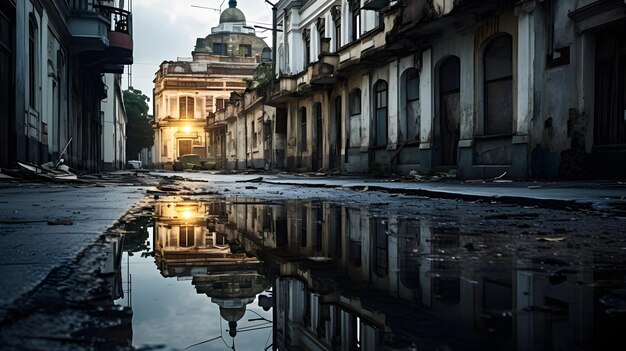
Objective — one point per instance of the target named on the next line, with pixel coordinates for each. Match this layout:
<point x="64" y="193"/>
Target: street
<point x="205" y="260"/>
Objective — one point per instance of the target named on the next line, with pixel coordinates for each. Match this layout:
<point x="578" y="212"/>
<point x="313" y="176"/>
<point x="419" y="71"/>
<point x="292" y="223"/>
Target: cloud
<point x="164" y="30"/>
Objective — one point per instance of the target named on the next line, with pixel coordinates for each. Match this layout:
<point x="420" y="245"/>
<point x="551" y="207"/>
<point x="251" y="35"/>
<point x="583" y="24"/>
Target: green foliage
<point x="261" y="79"/>
<point x="139" y="132"/>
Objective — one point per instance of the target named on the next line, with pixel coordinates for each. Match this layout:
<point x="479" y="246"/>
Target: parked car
<point x="193" y="161"/>
<point x="134" y="164"/>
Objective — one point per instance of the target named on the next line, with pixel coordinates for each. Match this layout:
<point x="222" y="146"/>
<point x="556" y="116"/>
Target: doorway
<point x="610" y="89"/>
<point x="184" y="147"/>
<point x="449" y="110"/>
<point x="7" y="92"/>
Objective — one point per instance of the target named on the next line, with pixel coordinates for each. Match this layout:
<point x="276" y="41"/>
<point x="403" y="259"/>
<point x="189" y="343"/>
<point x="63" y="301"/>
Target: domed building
<point x="187" y="90"/>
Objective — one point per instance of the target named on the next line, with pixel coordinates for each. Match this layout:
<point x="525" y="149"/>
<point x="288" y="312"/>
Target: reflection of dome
<point x="232" y="314"/>
<point x="232" y="13"/>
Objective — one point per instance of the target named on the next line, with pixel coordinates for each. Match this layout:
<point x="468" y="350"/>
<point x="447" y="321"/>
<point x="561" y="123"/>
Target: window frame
<point x="381" y="104"/>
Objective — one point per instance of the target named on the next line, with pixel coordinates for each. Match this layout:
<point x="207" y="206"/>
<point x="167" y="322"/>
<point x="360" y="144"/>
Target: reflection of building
<point x="187" y="244"/>
<point x="186" y="91"/>
<point x="183" y="243"/>
<point x="349" y="277"/>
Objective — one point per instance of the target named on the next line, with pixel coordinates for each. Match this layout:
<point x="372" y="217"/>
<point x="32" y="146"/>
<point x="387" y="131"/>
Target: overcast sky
<point x="164" y="30"/>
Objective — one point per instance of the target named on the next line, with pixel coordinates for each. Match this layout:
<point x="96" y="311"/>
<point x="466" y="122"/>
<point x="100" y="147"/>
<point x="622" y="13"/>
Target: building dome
<point x="232" y="13"/>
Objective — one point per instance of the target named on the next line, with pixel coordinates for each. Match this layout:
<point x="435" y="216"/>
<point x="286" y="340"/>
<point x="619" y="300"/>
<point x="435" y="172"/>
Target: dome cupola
<point x="232" y="14"/>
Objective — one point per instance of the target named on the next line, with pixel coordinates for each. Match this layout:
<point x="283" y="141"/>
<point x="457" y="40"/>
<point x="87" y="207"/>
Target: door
<point x="184" y="147"/>
<point x="449" y="111"/>
<point x="610" y="90"/>
<point x="7" y="93"/>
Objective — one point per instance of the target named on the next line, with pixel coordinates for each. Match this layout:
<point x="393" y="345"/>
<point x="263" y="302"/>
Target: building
<point x="113" y="125"/>
<point x="53" y="57"/>
<point x="187" y="90"/>
<point x="478" y="88"/>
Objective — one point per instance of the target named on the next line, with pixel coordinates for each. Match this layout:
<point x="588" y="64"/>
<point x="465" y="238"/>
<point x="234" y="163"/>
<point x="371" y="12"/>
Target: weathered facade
<point x="113" y="125"/>
<point x="186" y="91"/>
<point x="53" y="55"/>
<point x="247" y="134"/>
<point x="532" y="88"/>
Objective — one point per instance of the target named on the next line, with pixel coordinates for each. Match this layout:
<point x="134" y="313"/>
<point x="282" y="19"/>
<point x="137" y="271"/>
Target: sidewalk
<point x="602" y="195"/>
<point x="44" y="226"/>
<point x="596" y="195"/>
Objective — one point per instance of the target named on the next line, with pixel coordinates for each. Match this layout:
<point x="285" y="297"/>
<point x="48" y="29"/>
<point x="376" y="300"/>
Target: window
<point x="266" y="54"/>
<point x="302" y="134"/>
<point x="220" y="49"/>
<point x="498" y="86"/>
<point x="32" y="61"/>
<point x="381" y="256"/>
<point x="185" y="236"/>
<point x="254" y="136"/>
<point x="412" y="104"/>
<point x="220" y="104"/>
<point x="380" y="107"/>
<point x="245" y="50"/>
<point x="186" y="107"/>
<point x="306" y="36"/>
<point x="355" y="102"/>
<point x="355" y="10"/>
<point x="336" y="13"/>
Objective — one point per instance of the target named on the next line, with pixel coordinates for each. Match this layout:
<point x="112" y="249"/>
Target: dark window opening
<point x="245" y="50"/>
<point x="185" y="236"/>
<point x="32" y="61"/>
<point x="355" y="102"/>
<point x="220" y="49"/>
<point x="302" y="134"/>
<point x="498" y="86"/>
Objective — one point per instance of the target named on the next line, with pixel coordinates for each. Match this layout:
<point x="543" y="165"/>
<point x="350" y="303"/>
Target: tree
<point x="139" y="134"/>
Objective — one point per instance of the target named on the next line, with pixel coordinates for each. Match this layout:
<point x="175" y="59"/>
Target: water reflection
<point x="350" y="278"/>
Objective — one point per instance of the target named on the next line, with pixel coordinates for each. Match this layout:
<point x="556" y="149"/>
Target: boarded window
<point x="498" y="89"/>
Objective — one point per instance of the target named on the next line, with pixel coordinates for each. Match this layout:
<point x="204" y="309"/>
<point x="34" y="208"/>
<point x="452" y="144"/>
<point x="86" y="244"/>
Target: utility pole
<point x="274" y="31"/>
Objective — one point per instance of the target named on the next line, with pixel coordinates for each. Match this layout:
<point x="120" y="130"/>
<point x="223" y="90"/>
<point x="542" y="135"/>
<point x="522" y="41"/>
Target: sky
<point x="164" y="30"/>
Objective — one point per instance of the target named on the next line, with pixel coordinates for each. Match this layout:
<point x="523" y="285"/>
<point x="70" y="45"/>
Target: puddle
<point x="249" y="274"/>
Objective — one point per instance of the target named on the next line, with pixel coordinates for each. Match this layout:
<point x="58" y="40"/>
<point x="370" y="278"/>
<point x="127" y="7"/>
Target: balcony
<point x="324" y="69"/>
<point x="284" y="89"/>
<point x="102" y="34"/>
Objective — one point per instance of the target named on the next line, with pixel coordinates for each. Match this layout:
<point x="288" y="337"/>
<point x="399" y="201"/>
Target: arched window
<point x="186" y="107"/>
<point x="498" y="86"/>
<point x="380" y="108"/>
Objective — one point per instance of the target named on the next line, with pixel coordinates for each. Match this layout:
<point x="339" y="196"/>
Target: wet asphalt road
<point x="71" y="307"/>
